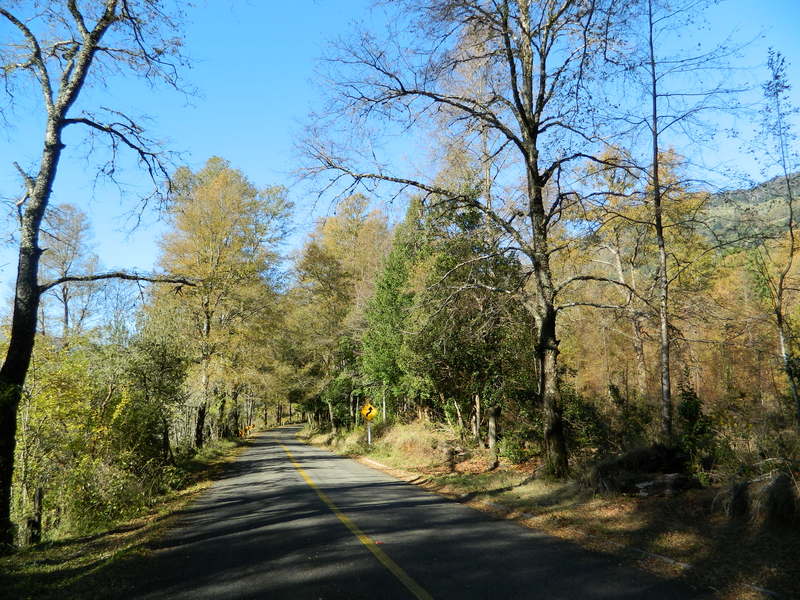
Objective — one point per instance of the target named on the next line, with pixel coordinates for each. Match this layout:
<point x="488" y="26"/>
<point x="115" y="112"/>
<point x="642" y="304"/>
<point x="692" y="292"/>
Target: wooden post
<point x="493" y="414"/>
<point x="477" y="418"/>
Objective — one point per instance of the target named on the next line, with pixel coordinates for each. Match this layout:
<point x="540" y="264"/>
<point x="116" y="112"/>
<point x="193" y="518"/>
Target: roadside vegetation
<point x="107" y="556"/>
<point x="557" y="306"/>
<point x="126" y="389"/>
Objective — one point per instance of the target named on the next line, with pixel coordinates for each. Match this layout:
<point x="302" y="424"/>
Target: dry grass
<point x="673" y="537"/>
<point x="419" y="445"/>
<point x="84" y="567"/>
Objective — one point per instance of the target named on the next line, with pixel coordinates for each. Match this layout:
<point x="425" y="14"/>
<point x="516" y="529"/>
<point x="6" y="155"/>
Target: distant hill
<point x="761" y="209"/>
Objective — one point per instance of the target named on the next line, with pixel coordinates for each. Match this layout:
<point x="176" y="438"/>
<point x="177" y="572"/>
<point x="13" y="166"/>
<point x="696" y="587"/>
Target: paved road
<point x="265" y="532"/>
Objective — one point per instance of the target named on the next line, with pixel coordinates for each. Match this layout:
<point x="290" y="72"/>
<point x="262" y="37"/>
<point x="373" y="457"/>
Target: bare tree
<point x="775" y="266"/>
<point x="622" y="236"/>
<point x="59" y="44"/>
<point x="535" y="62"/>
<point x="66" y="251"/>
<point x="677" y="89"/>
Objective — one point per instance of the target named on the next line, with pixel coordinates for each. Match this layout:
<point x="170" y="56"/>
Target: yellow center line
<point x="419" y="592"/>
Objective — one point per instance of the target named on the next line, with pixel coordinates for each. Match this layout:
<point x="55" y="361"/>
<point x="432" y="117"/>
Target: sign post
<point x="368" y="412"/>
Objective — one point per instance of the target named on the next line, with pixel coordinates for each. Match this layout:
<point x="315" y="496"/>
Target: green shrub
<point x="95" y="493"/>
<point x="585" y="426"/>
<point x="514" y="449"/>
<point x="695" y="433"/>
<point x="636" y="419"/>
<point x="172" y="478"/>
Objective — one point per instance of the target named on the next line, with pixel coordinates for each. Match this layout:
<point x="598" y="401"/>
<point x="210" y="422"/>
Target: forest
<point x="558" y="281"/>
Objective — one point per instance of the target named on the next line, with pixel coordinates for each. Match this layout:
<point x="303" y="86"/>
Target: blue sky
<point x="254" y="67"/>
<point x="253" y="64"/>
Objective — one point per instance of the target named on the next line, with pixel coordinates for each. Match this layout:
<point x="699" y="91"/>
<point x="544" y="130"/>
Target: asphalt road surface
<point x="292" y="521"/>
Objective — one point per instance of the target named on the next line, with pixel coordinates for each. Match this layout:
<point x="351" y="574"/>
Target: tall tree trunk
<point x="780" y="130"/>
<point x="491" y="437"/>
<point x="663" y="281"/>
<point x="223" y="426"/>
<point x="477" y="417"/>
<point x="33" y="524"/>
<point x="205" y="358"/>
<point x="199" y="429"/>
<point x="459" y="416"/>
<point x="663" y="300"/>
<point x="331" y="415"/>
<point x="166" y="448"/>
<point x="32" y="208"/>
<point x="23" y="318"/>
<point x="65" y="302"/>
<point x="531" y="90"/>
<point x="637" y="329"/>
<point x="555" y="443"/>
<point x="493" y="415"/>
<point x="234" y="418"/>
<point x="10" y="395"/>
<point x="787" y="360"/>
<point x="641" y="365"/>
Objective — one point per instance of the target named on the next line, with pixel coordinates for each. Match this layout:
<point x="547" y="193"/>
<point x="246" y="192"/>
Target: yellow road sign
<point x="368" y="411"/>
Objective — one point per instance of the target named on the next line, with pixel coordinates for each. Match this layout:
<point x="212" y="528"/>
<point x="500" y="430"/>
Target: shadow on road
<point x="262" y="532"/>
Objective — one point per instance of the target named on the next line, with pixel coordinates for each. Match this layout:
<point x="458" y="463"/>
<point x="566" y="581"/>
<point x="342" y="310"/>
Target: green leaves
<point x="324" y="314"/>
<point x="91" y="425"/>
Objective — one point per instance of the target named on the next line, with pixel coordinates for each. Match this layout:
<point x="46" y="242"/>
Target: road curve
<point x="293" y="521"/>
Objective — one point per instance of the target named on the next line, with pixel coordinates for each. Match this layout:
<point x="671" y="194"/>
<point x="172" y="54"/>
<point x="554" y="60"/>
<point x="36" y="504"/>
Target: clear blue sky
<point x="253" y="64"/>
<point x="254" y="67"/>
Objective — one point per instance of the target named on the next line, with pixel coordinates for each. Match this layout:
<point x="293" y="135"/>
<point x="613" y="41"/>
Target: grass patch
<point x="88" y="566"/>
<point x="727" y="557"/>
<point x="418" y="445"/>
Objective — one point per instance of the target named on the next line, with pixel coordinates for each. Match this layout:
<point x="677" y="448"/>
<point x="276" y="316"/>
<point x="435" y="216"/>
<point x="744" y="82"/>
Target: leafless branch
<point x="561" y="307"/>
<point x="564" y="284"/>
<point x="117" y="275"/>
<point x="131" y="135"/>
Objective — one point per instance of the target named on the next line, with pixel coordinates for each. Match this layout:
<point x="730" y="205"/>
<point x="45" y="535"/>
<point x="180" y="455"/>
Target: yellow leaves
<point x="340" y="263"/>
<point x="421" y="271"/>
<point x="336" y="272"/>
<point x="357" y="239"/>
<point x="62" y="411"/>
<point x="224" y="231"/>
<point x="122" y="405"/>
<point x="220" y="226"/>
